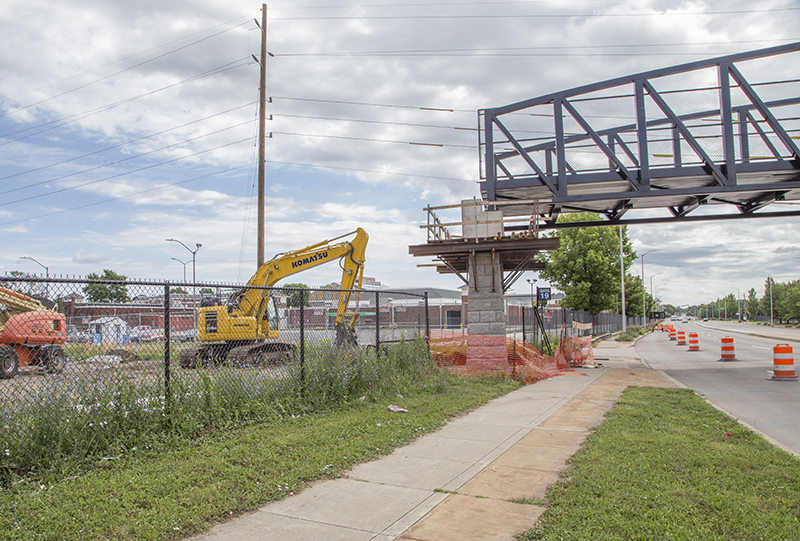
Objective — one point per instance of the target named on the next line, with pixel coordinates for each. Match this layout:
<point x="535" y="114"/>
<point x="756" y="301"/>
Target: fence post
<point x="302" y="345"/>
<point x="167" y="393"/>
<point x="377" y="324"/>
<point x="427" y="319"/>
<point x="523" y="323"/>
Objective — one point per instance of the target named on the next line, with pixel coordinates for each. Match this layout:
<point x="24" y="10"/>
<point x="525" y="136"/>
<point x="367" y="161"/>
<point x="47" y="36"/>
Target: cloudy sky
<point x="124" y="124"/>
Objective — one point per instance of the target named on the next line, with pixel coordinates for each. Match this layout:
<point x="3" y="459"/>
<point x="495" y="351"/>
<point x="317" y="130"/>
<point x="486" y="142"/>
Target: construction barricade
<point x="673" y="334"/>
<point x="728" y="351"/>
<point x="481" y="354"/>
<point x="783" y="363"/>
<point x="694" y="341"/>
<point x="681" y="338"/>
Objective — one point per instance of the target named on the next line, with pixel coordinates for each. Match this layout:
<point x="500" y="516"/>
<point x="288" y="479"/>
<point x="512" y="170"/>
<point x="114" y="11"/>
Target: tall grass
<point x="77" y="421"/>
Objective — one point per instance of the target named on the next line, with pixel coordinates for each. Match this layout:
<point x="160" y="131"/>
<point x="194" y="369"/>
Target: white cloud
<point x="173" y="69"/>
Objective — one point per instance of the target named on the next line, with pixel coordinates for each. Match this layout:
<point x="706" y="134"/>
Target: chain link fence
<point x="564" y="323"/>
<point x="126" y="344"/>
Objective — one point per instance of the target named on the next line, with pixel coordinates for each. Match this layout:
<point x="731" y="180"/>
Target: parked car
<point x="184" y="336"/>
<point x="81" y="337"/>
<point x="145" y="333"/>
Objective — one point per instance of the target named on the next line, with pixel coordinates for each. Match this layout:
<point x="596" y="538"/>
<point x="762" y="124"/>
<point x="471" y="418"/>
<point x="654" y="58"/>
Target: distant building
<point x="109" y="330"/>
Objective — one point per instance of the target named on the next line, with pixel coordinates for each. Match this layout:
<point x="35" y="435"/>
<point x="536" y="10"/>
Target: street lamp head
<point x="47" y="270"/>
<point x="198" y="246"/>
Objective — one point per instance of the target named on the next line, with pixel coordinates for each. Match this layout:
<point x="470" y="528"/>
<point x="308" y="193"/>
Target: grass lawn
<point x="667" y="465"/>
<point x="186" y="486"/>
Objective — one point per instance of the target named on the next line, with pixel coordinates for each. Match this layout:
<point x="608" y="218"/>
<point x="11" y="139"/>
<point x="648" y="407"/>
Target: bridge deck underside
<point x="515" y="255"/>
<point x="605" y="192"/>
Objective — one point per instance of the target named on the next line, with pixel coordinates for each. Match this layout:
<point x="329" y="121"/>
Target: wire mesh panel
<point x="115" y="356"/>
<point x="405" y="316"/>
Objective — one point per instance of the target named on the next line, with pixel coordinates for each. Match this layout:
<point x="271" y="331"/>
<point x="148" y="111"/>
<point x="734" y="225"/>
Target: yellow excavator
<point x="246" y="328"/>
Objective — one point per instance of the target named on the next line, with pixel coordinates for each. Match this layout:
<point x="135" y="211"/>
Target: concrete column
<point x="485" y="313"/>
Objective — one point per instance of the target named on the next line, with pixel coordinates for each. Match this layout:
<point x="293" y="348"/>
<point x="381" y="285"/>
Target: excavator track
<point x="255" y="353"/>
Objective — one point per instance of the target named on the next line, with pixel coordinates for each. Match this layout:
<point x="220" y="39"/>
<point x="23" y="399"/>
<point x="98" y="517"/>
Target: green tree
<point x="20" y="287"/>
<point x="633" y="296"/>
<point x="296" y="294"/>
<point x="752" y="303"/>
<point x="585" y="266"/>
<point x="107" y="292"/>
<point x="206" y="291"/>
<point x="790" y="301"/>
<point x="178" y="290"/>
<point x="777" y="294"/>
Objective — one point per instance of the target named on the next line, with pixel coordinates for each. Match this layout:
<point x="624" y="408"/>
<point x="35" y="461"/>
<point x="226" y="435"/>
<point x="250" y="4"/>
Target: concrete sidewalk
<point x="459" y="482"/>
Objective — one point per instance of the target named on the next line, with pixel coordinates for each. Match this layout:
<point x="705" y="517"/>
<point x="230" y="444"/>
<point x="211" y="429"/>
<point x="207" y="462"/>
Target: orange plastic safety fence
<point x="482" y="354"/>
<point x="575" y="351"/>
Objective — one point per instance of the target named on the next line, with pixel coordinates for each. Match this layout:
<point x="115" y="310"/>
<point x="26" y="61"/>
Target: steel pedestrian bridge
<point x="714" y="139"/>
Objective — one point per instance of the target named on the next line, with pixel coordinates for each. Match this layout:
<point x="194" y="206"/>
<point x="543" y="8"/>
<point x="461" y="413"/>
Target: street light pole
<point x="771" y="310"/>
<point x="655" y="297"/>
<point x="194" y="268"/>
<point x="651" y="286"/>
<point x="534" y="319"/>
<point x="739" y="303"/>
<point x="644" y="292"/>
<point x="533" y="299"/>
<point x="184" y="263"/>
<point x="193" y="252"/>
<point x="46" y="274"/>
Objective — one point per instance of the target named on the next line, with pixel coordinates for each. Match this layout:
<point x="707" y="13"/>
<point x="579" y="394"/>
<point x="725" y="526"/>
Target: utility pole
<point x="262" y="135"/>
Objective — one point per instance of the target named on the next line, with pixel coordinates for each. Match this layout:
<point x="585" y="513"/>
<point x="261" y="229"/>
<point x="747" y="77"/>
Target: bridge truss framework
<point x="684" y="143"/>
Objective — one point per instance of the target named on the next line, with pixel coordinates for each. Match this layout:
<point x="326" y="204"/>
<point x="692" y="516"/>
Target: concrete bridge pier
<point x="485" y="307"/>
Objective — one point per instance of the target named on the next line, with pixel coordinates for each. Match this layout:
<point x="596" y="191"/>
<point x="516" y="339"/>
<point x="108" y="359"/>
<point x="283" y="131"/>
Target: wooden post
<point x="262" y="135"/>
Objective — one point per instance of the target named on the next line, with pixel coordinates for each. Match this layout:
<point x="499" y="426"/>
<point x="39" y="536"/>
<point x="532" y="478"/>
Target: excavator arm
<point x="252" y="315"/>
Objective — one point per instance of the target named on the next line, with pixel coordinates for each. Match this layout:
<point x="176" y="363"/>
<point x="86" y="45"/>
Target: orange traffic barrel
<point x="681" y="338"/>
<point x="694" y="342"/>
<point x="673" y="334"/>
<point x="783" y="364"/>
<point x="728" y="351"/>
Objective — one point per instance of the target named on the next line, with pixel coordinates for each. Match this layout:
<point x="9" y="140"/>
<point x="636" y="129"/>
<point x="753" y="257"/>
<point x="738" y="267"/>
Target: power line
<point x="489" y="54"/>
<point x="366" y="104"/>
<point x="415" y="143"/>
<point x="157" y="188"/>
<point x="132" y="56"/>
<point x="429" y="4"/>
<point x="111" y="199"/>
<point x="90" y="83"/>
<point x="383" y="122"/>
<point x="151" y="166"/>
<point x="100" y="151"/>
<point x="533" y="16"/>
<point x="509" y="51"/>
<point x="53" y="124"/>
<point x="340" y="168"/>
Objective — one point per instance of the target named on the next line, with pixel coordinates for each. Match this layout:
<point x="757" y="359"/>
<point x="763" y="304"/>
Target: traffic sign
<point x="543" y="293"/>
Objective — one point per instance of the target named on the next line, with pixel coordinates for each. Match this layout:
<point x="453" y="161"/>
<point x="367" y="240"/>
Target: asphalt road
<point x="742" y="388"/>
